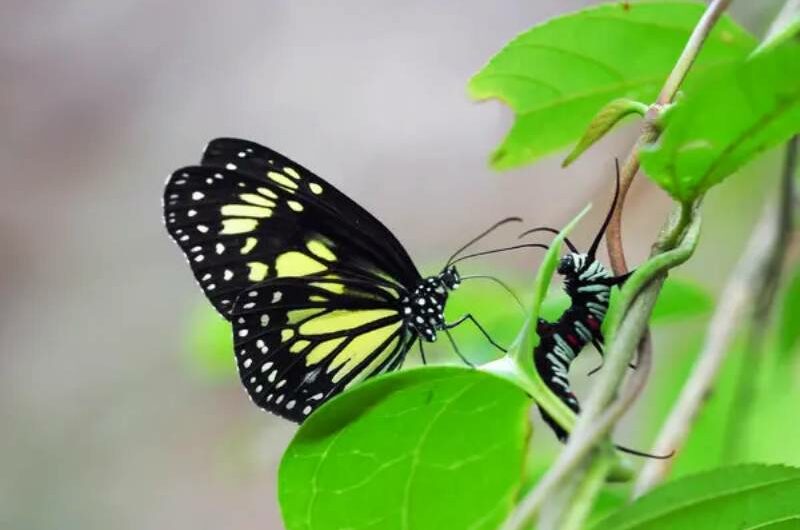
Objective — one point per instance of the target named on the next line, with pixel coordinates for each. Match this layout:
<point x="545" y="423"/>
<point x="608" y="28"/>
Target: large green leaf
<point x="558" y="74"/>
<point x="428" y="448"/>
<point x="740" y="497"/>
<point x="725" y="121"/>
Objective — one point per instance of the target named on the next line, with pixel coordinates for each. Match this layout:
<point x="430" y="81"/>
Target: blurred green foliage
<point x="681" y="298"/>
<point x="555" y="82"/>
<point x="384" y="455"/>
<point x="209" y="345"/>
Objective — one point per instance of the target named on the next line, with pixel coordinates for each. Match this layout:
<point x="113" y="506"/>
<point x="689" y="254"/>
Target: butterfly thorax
<point x="423" y="308"/>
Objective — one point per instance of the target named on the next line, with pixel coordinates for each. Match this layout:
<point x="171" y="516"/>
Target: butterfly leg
<point x="422" y="352"/>
<point x="455" y="348"/>
<point x="471" y="318"/>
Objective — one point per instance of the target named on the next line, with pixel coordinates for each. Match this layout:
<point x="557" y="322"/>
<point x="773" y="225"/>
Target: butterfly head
<point x="450" y="277"/>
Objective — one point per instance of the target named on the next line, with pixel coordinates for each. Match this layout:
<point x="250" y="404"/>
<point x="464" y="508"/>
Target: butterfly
<point x="319" y="293"/>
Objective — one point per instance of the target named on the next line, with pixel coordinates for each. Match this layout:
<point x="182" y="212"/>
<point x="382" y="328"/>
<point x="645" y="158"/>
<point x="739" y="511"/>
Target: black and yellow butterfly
<point x="320" y="294"/>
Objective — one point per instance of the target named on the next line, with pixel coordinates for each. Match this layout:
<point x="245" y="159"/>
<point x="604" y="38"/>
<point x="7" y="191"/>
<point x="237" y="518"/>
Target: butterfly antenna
<point x="634" y="452"/>
<point x="501" y="283"/>
<point x="599" y="237"/>
<point x="572" y="247"/>
<point x="480" y="236"/>
<point x="495" y="251"/>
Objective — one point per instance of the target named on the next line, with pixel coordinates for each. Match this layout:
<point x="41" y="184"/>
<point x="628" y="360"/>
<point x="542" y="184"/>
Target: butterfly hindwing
<point x="299" y="341"/>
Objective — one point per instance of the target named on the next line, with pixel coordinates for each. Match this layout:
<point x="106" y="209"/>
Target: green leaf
<point x="788" y="327"/>
<point x="602" y="122"/>
<point x="681" y="298"/>
<point x="722" y="123"/>
<point x="210" y="345"/>
<point x="557" y="75"/>
<point x="429" y="448"/>
<point x="741" y="497"/>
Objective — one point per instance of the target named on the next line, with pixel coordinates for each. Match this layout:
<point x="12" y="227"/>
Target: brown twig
<point x="650" y="132"/>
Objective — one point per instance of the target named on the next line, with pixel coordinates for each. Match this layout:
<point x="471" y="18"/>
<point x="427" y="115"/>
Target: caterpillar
<point x="588" y="284"/>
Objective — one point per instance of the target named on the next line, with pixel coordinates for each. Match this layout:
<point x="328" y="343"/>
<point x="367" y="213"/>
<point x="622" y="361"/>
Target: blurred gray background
<point x="102" y="424"/>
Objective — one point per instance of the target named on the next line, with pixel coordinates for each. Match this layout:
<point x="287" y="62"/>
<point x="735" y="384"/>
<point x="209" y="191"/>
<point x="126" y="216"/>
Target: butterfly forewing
<point x="239" y="226"/>
<point x="299" y="341"/>
<point x="373" y="240"/>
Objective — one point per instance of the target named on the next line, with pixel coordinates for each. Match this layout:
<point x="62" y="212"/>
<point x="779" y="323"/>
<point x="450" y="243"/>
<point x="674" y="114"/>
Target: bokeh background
<point x="117" y="409"/>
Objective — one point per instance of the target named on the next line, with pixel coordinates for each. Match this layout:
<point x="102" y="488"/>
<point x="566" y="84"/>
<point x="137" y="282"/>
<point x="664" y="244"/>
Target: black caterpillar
<point x="588" y="284"/>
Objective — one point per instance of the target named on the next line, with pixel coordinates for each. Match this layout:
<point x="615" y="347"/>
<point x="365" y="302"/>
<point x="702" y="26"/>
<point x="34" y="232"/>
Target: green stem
<point x="585" y="492"/>
<point x="691" y="50"/>
<point x="674" y="232"/>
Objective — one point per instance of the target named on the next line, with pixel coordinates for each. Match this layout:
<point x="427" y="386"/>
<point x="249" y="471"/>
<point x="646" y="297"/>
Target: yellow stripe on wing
<point x="359" y="349"/>
<point x="341" y="320"/>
